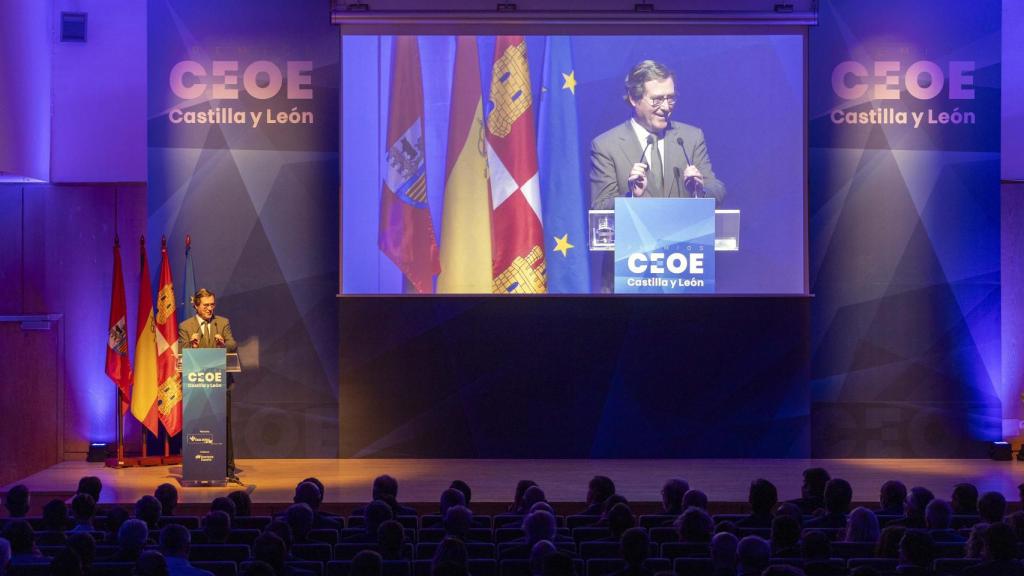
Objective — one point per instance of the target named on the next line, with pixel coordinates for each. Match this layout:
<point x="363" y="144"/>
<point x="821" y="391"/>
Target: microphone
<point x="643" y="156"/>
<point x="679" y="140"/>
<point x="698" y="188"/>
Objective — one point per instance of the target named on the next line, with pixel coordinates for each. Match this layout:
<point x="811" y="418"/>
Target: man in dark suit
<point x="207" y="330"/>
<point x="650" y="156"/>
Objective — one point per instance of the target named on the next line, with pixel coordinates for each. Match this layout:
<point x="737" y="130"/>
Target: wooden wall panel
<point x="10" y="249"/>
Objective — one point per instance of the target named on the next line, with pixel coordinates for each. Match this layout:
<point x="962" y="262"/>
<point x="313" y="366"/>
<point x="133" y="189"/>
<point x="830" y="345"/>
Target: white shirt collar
<point x="641" y="136"/>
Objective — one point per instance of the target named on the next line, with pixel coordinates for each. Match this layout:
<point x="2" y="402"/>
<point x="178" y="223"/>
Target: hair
<point x="457" y="521"/>
<point x="539" y="525"/>
<point x="540" y="551"/>
<point x="620" y="519"/>
<point x="600" y="489"/>
<point x="83" y="506"/>
<point x="175" y="540"/>
<point x="385" y="488"/>
<point x="965" y="499"/>
<point x="938" y="515"/>
<point x="672" y="493"/>
<point x="815" y="545"/>
<point x="367" y="563"/>
<point x="309" y="494"/>
<point x="727" y="526"/>
<point x="917" y="548"/>
<point x="316" y="482"/>
<point x="18" y="501"/>
<point x="541" y="506"/>
<point x="167" y="494"/>
<point x="889" y="542"/>
<point x="133" y="534"/>
<point x="762" y="496"/>
<point x="533" y="495"/>
<point x="815" y="480"/>
<point x="217" y="525"/>
<point x="752" y="553"/>
<point x="785" y="531"/>
<point x="723" y="551"/>
<point x="377" y="512"/>
<point x="917" y="501"/>
<point x="450" y="550"/>
<point x="892" y="495"/>
<point x="694" y="525"/>
<point x="991" y="507"/>
<point x="517" y="501"/>
<point x="838" y="495"/>
<point x="694" y="498"/>
<point x="151" y="563"/>
<point x="635" y="546"/>
<point x="464" y="488"/>
<point x="90" y="485"/>
<point x="148" y="510"/>
<point x="55" y="515"/>
<point x="862" y="526"/>
<point x="390" y="538"/>
<point x="451" y="497"/>
<point x="300" y="518"/>
<point x="642" y="73"/>
<point x="224" y="503"/>
<point x="1000" y="543"/>
<point x="242" y="501"/>
<point x="200" y="294"/>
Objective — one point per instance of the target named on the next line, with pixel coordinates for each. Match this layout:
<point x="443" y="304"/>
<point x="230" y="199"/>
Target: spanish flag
<point x="466" y="220"/>
<point x="144" y="374"/>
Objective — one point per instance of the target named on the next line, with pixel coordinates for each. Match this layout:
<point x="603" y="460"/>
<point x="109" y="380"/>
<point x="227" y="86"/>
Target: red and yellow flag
<point x="118" y="368"/>
<point x="466" y="220"/>
<point x="517" y="230"/>
<point x="144" y="375"/>
<point x="168" y="378"/>
<point x="406" y="233"/>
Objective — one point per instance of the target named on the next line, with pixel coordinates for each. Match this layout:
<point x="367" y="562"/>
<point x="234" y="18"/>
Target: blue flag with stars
<point x="561" y="178"/>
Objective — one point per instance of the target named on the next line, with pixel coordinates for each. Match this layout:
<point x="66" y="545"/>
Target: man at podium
<point x="207" y="330"/>
<point x="649" y="155"/>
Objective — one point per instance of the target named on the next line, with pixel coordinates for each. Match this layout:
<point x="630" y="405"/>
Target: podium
<point x="204" y="380"/>
<point x="664" y="245"/>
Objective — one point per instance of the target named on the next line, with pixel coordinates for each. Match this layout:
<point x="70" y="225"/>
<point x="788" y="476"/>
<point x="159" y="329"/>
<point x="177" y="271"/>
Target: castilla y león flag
<point x="117" y="367"/>
<point x="406" y="232"/>
<point x="517" y="232"/>
<point x="168" y="400"/>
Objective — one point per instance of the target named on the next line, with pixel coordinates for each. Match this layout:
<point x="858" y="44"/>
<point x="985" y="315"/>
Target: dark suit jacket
<point x="220" y="325"/>
<point x="613" y="154"/>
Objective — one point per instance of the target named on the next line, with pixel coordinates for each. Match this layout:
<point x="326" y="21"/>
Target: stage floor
<point x="564" y="481"/>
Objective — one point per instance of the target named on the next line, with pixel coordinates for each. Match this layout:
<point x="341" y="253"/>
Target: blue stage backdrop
<point x="904" y="224"/>
<point x="243" y="155"/>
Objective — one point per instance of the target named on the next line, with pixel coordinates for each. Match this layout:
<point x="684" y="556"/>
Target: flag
<point x="466" y="220"/>
<point x="118" y="368"/>
<point x="144" y="376"/>
<point x="168" y="400"/>
<point x="561" y="186"/>
<point x="517" y="234"/>
<point x="406" y="233"/>
<point x="190" y="282"/>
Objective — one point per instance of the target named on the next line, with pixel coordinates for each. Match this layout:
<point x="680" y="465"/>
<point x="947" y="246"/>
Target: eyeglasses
<point x="659" y="101"/>
<point x="207" y="305"/>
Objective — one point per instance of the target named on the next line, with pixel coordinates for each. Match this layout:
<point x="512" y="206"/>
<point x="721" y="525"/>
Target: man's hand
<point x="638" y="179"/>
<point x="194" y="340"/>
<point x="219" y="339"/>
<point x="693" y="181"/>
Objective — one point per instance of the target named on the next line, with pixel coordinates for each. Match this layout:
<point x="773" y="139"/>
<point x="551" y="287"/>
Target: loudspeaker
<point x="73" y="26"/>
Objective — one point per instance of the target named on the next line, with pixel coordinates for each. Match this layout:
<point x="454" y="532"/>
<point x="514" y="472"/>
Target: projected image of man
<point x="650" y="155"/>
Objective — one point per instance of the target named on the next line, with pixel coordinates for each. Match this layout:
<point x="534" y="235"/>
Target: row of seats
<point x="490" y="567"/>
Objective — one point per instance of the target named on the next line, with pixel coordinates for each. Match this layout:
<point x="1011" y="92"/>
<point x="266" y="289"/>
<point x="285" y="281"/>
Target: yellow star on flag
<point x="570" y="81"/>
<point x="563" y="244"/>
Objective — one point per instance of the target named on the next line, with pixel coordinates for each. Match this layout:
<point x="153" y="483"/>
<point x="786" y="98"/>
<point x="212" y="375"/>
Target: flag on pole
<point x="118" y="368"/>
<point x="144" y="375"/>
<point x="406" y="233"/>
<point x="168" y="378"/>
<point x="466" y="220"/>
<point x="190" y="282"/>
<point x="517" y="231"/>
<point x="561" y="185"/>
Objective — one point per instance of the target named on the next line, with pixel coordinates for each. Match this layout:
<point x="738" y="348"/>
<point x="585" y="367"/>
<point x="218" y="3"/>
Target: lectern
<point x="204" y="380"/>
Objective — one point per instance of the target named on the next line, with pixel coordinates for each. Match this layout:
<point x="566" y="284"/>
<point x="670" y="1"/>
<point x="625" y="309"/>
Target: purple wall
<point x="25" y="111"/>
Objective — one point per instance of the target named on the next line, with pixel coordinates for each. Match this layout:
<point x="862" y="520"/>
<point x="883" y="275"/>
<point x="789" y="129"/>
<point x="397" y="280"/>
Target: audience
<point x="175" y="542"/>
<point x="889" y="542"/>
<point x="917" y="502"/>
<point x="90" y="485"/>
<point x="167" y="494"/>
<point x="390" y="540"/>
<point x="467" y="493"/>
<point x="635" y="547"/>
<point x="752" y="554"/>
<point x="695" y="498"/>
<point x="516" y="507"/>
<point x="5" y="555"/>
<point x="299" y="518"/>
<point x="55" y="516"/>
<point x="84" y="545"/>
<point x="367" y="563"/>
<point x="217" y="527"/>
<point x="538" y="554"/>
<point x="762" y="497"/>
<point x="66" y="563"/>
<point x="785" y="537"/>
<point x="723" y="554"/>
<point x="862" y="526"/>
<point x="375" y="514"/>
<point x="672" y="494"/>
<point x="83" y="506"/>
<point x="450" y="497"/>
<point x="311" y="495"/>
<point x="838" y="495"/>
<point x="18" y="501"/>
<point x="457" y="522"/>
<point x="385" y="489"/>
<point x="21" y="536"/>
<point x="992" y="507"/>
<point x="976" y="541"/>
<point x="599" y="489"/>
<point x="620" y="519"/>
<point x="916" y="553"/>
<point x="225" y="505"/>
<point x="965" y="499"/>
<point x="132" y="537"/>
<point x="242" y="502"/>
<point x="938" y="517"/>
<point x="148" y="510"/>
<point x="891" y="498"/>
<point x="694" y="526"/>
<point x="999" y="553"/>
<point x="812" y="493"/>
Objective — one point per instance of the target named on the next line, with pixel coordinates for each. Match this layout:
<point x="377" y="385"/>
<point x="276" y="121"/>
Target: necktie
<point x="657" y="179"/>
<point x="206" y="334"/>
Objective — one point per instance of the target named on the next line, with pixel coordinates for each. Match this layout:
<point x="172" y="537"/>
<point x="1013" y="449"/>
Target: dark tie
<point x="657" y="179"/>
<point x="206" y="335"/>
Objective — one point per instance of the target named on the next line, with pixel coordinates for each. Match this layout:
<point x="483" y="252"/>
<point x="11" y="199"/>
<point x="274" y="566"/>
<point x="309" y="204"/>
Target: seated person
<point x="762" y="497"/>
<point x="385" y="489"/>
<point x="838" y="495"/>
<point x="376" y="513"/>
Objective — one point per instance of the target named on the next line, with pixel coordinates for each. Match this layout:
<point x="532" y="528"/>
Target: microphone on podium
<point x="643" y="156"/>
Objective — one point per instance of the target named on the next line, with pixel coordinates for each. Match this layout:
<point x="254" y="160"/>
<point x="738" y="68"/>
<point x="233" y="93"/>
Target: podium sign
<point x="664" y="245"/>
<point x="204" y="383"/>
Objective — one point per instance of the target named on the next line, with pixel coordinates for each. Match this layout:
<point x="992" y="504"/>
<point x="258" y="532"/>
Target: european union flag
<point x="561" y="178"/>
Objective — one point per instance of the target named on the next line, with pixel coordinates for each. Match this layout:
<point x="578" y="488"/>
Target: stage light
<point x="98" y="452"/>
<point x="1001" y="451"/>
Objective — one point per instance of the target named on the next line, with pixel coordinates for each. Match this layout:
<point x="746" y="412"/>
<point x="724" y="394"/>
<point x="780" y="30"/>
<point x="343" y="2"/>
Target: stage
<point x="347" y="481"/>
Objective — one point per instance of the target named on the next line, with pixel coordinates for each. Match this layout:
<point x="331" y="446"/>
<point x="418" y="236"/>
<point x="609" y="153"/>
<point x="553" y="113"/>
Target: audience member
<point x="167" y="494"/>
<point x="815" y="546"/>
<point x="84" y="509"/>
<point x="300" y="519"/>
<point x="175" y="542"/>
<point x="375" y="514"/>
<point x="540" y="551"/>
<point x="18" y="501"/>
<point x="727" y="526"/>
<point x="599" y="489"/>
<point x="116" y="516"/>
<point x="385" y="489"/>
<point x="991" y="507"/>
<point x="516" y="507"/>
<point x="812" y="493"/>
<point x="889" y="541"/>
<point x="785" y="537"/>
<point x="5" y="555"/>
<point x="694" y="525"/>
<point x="467" y="493"/>
<point x="66" y="563"/>
<point x="672" y="493"/>
<point x="84" y="545"/>
<point x="224" y="504"/>
<point x="790" y="509"/>
<point x="533" y="495"/>
<point x="1016" y="522"/>
<point x="862" y="526"/>
<point x="217" y="527"/>
<point x="938" y="517"/>
<point x="261" y="568"/>
<point x="965" y="499"/>
<point x="55" y="516"/>
<point x="762" y="497"/>
<point x="457" y="523"/>
<point x="450" y="497"/>
<point x="999" y="553"/>
<point x="390" y="540"/>
<point x="150" y="563"/>
<point x="694" y="498"/>
<point x="723" y="554"/>
<point x="452" y="551"/>
<point x="976" y="541"/>
<point x="148" y="510"/>
<point x="917" y="501"/>
<point x="752" y="554"/>
<point x="22" y="538"/>
<point x="132" y="537"/>
<point x="90" y="485"/>
<point x="620" y="519"/>
<point x="269" y="548"/>
<point x="367" y="563"/>
<point x="311" y="495"/>
<point x="281" y="529"/>
<point x="891" y="497"/>
<point x="242" y="502"/>
<point x="916" y="553"/>
<point x="838" y="495"/>
<point x="635" y="547"/>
